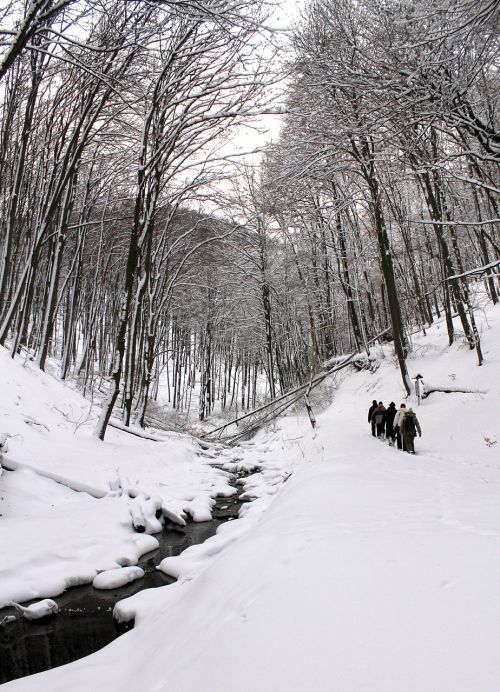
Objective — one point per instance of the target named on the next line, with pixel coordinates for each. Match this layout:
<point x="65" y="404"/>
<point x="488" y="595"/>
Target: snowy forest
<point x="207" y="209"/>
<point x="135" y="244"/>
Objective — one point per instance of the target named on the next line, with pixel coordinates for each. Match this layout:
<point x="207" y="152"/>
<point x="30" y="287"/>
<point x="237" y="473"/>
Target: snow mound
<point x="116" y="578"/>
<point x="38" y="610"/>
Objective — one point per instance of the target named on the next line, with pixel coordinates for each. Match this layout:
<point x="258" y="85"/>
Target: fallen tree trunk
<point x="451" y="390"/>
<point x="304" y="389"/>
<point x="132" y="431"/>
<point x="299" y="390"/>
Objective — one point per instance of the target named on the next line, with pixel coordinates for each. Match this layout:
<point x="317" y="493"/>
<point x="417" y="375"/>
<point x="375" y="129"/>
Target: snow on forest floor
<point x="68" y="488"/>
<point x="368" y="569"/>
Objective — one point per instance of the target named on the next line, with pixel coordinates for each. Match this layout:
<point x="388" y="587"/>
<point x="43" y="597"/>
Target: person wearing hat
<point x="397" y="424"/>
<point x="378" y="415"/>
<point x="408" y="429"/>
<point x="371" y="419"/>
<point x="389" y="416"/>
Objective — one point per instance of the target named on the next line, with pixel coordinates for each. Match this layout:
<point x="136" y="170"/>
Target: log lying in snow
<point x="145" y="512"/>
<point x="296" y="393"/>
<point x="35" y="611"/>
<point x="363" y="362"/>
<point x="138" y="520"/>
<point x="133" y="431"/>
<point x="292" y="397"/>
<point x="445" y="389"/>
<point x="172" y="516"/>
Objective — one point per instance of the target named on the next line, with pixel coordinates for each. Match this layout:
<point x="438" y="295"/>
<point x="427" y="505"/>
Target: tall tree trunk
<point x="369" y="173"/>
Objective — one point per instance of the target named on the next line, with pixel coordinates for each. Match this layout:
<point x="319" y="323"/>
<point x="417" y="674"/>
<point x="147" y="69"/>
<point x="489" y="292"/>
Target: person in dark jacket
<point x="389" y="416"/>
<point x="370" y="416"/>
<point x="379" y="414"/>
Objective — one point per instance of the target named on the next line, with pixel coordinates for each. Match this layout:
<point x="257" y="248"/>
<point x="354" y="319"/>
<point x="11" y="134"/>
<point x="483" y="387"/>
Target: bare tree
<point x="203" y="80"/>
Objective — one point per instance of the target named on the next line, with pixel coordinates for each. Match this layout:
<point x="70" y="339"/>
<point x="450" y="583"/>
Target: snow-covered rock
<point x="35" y="611"/>
<point x="116" y="578"/>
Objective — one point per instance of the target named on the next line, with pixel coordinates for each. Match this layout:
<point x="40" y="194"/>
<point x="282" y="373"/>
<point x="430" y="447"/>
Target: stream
<point x="85" y="622"/>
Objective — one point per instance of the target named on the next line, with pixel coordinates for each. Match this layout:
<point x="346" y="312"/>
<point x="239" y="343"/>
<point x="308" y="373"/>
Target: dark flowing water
<point x="85" y="622"/>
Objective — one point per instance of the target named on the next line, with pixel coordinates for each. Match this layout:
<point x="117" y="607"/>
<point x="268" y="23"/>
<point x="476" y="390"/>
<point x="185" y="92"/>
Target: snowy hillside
<point x="368" y="569"/>
<point x="125" y="481"/>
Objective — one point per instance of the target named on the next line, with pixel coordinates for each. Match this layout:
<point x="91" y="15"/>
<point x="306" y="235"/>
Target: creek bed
<point x="85" y="622"/>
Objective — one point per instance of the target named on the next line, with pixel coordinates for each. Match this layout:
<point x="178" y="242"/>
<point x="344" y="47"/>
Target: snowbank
<point x="71" y="505"/>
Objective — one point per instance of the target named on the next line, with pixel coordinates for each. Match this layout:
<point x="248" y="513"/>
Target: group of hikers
<point x="400" y="425"/>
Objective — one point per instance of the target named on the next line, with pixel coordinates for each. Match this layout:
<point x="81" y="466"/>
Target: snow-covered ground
<point x="367" y="570"/>
<point x="67" y="512"/>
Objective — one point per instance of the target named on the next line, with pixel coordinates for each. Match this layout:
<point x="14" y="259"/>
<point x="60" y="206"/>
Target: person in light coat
<point x="397" y="420"/>
<point x="409" y="427"/>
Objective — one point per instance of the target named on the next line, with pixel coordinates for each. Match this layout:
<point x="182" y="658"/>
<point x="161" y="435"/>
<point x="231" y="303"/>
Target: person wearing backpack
<point x="371" y="419"/>
<point x="378" y="415"/>
<point x="409" y="426"/>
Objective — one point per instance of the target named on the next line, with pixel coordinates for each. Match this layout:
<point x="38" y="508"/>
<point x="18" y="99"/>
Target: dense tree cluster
<point x="393" y="131"/>
<point x="133" y="252"/>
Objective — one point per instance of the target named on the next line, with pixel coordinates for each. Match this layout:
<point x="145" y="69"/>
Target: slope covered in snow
<point x="369" y="569"/>
<point x="69" y="506"/>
